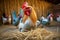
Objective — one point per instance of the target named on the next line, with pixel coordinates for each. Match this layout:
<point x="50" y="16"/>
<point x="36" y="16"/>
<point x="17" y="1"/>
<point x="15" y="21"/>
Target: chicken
<point x="16" y="18"/>
<point x="29" y="19"/>
<point x="44" y="20"/>
<point x="58" y="19"/>
<point x="50" y="17"/>
<point x="4" y="20"/>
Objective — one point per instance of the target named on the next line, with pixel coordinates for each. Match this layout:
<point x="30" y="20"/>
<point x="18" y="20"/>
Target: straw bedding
<point x="37" y="34"/>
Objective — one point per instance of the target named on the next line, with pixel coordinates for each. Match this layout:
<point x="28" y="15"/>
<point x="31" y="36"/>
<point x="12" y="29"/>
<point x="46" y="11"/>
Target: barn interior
<point x="47" y="31"/>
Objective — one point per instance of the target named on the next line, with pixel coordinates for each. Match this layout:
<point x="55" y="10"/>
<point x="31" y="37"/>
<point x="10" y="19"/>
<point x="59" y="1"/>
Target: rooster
<point x="29" y="19"/>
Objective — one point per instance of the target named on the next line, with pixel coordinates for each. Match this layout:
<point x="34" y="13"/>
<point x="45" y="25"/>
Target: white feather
<point x="22" y="26"/>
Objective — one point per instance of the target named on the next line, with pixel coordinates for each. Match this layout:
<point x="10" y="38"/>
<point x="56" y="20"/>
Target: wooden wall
<point x="41" y="7"/>
<point x="1" y="11"/>
<point x="1" y="6"/>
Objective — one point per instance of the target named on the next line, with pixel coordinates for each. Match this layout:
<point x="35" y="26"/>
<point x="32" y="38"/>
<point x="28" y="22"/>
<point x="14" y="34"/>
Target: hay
<point x="37" y="34"/>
